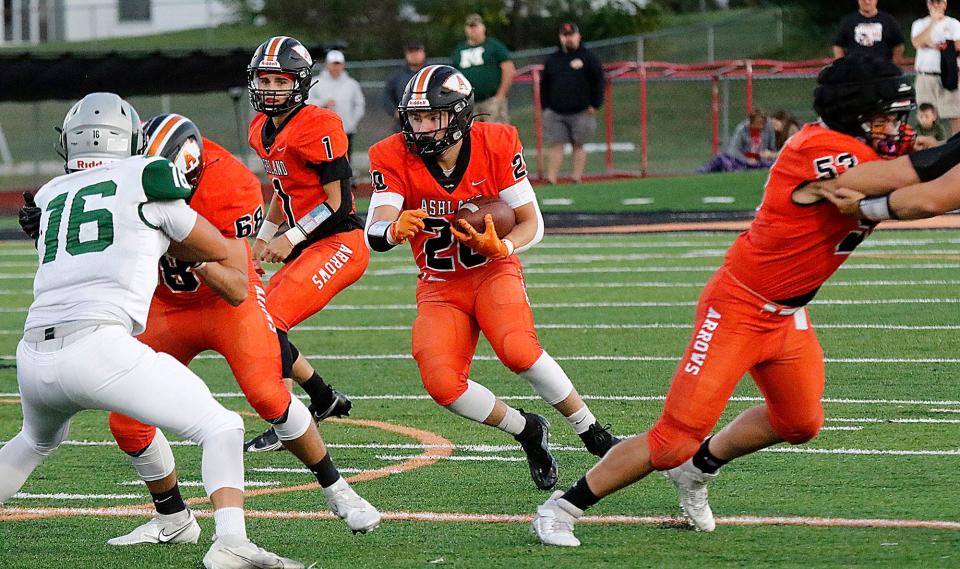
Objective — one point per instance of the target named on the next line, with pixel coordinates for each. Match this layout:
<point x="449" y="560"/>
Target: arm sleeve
<point x="387" y="190"/>
<point x="735" y="147"/>
<point x="545" y="80"/>
<point x="174" y="218"/>
<point x="503" y="54"/>
<point x="596" y="79"/>
<point x="841" y="38"/>
<point x="508" y="163"/>
<point x="896" y="35"/>
<point x="161" y="180"/>
<point x="323" y="143"/>
<point x="915" y="29"/>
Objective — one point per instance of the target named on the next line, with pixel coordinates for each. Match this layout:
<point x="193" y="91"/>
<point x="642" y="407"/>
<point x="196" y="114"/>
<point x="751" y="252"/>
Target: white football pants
<point x="103" y="367"/>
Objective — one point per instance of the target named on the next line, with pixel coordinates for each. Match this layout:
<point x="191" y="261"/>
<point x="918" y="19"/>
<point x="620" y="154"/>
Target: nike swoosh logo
<point x="478" y="183"/>
<point x="164" y="538"/>
<point x="281" y="149"/>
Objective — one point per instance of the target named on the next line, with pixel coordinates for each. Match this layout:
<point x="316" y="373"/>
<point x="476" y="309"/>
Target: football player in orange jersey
<point x="469" y="282"/>
<point x="752" y="316"/>
<point x="221" y="307"/>
<point x="303" y="149"/>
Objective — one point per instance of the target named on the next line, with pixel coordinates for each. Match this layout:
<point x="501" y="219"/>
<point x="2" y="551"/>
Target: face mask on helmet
<point x="443" y="96"/>
<point x="279" y="56"/>
<point x="890" y="135"/>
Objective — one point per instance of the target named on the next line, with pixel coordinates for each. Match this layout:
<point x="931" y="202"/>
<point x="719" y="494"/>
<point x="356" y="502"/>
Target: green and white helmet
<point x="98" y="129"/>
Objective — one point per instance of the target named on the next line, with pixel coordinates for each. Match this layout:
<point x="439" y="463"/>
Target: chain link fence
<point x="679" y="131"/>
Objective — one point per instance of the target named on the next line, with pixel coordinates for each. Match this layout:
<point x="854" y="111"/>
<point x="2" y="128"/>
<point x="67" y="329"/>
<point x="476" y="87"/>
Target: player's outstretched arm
<point x="228" y="278"/>
<point x="878" y="177"/>
<point x="918" y="201"/>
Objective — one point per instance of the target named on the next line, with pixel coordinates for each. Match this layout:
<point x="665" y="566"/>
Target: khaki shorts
<point x="576" y="128"/>
<point x="492" y="110"/>
<point x="929" y="90"/>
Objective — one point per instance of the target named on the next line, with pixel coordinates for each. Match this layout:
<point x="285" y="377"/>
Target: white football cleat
<point x="181" y="527"/>
<point x="360" y="516"/>
<point x="554" y="521"/>
<point x="691" y="483"/>
<point x="235" y="552"/>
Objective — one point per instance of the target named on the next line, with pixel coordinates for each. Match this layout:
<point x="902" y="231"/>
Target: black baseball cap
<point x="413" y="45"/>
<point x="569" y="28"/>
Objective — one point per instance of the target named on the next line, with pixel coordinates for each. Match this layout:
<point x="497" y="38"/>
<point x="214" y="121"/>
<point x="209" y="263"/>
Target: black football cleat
<point x="265" y="442"/>
<point x="535" y="440"/>
<point x="598" y="440"/>
<point x="339" y="406"/>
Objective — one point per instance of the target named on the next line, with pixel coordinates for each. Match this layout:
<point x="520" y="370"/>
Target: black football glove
<point x="29" y="216"/>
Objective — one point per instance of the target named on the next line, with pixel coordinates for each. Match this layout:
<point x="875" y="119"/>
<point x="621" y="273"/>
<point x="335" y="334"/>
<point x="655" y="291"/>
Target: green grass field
<point x="615" y="311"/>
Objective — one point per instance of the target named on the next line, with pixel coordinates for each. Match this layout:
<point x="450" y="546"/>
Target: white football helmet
<point x="100" y="128"/>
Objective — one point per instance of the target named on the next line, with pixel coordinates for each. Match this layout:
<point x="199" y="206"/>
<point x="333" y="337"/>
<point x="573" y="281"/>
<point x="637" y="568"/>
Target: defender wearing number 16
<point x="470" y="278"/>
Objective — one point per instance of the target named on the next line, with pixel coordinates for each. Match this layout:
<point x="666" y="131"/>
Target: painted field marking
<point x="640" y="398"/>
<point x="479" y="358"/>
<point x="719" y="199"/>
<point x="848" y="428"/>
<point x="66" y="496"/>
<point x="279" y="470"/>
<point x="199" y="484"/>
<point x="456" y="517"/>
<point x="944" y="410"/>
<point x="556" y="201"/>
<point x="638" y="201"/>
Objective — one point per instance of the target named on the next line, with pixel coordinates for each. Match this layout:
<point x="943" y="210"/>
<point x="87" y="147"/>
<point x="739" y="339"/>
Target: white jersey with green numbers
<point x="102" y="232"/>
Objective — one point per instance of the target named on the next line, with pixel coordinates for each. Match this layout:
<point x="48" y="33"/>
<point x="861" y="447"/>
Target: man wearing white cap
<point x="337" y="91"/>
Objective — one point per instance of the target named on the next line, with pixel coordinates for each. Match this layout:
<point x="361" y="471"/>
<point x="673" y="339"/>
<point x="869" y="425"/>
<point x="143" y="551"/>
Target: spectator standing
<point x="486" y="63"/>
<point x="870" y="31"/>
<point x="337" y="91"/>
<point x="415" y="56"/>
<point x="753" y="145"/>
<point x="930" y="36"/>
<point x="571" y="91"/>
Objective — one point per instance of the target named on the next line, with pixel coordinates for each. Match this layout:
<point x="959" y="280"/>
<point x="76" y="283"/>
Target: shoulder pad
<point x="162" y="181"/>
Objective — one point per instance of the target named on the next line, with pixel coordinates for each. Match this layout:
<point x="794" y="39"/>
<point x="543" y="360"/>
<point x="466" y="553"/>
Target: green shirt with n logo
<point x="480" y="64"/>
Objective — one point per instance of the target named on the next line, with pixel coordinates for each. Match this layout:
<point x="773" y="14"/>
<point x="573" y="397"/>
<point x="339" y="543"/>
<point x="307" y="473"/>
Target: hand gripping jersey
<point x="490" y="164"/>
<point x="101" y="234"/>
<point x="790" y="250"/>
<point x="229" y="196"/>
<point x="305" y="152"/>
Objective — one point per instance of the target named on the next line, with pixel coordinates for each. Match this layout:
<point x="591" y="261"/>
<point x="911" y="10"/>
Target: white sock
<point x="581" y="420"/>
<point x="513" y="422"/>
<point x="230" y="522"/>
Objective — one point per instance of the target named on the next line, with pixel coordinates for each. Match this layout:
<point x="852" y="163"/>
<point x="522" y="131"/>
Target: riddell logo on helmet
<point x="89" y="163"/>
<point x="418" y="103"/>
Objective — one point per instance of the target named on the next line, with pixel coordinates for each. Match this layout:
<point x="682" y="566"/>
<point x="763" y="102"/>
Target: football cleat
<point x="598" y="440"/>
<point x="181" y="527"/>
<point x="360" y="516"/>
<point x="554" y="521"/>
<point x="543" y="467"/>
<point x="691" y="483"/>
<point x="339" y="406"/>
<point x="264" y="442"/>
<point x="235" y="552"/>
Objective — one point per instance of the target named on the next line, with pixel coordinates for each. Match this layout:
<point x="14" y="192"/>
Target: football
<point x="474" y="210"/>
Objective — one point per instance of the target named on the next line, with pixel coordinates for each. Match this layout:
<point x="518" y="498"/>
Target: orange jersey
<point x="228" y="196"/>
<point x="790" y="250"/>
<point x="491" y="161"/>
<point x="294" y="154"/>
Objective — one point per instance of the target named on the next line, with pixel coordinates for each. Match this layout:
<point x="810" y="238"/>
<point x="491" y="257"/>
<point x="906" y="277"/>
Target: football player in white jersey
<point x="103" y="228"/>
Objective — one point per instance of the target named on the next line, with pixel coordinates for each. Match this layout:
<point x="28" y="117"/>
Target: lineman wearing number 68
<point x="469" y="282"/>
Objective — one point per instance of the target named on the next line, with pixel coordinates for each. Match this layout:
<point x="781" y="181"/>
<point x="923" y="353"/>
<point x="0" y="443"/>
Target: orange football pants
<point x="302" y="287"/>
<point x="243" y="334"/>
<point x="736" y="331"/>
<point x="451" y="314"/>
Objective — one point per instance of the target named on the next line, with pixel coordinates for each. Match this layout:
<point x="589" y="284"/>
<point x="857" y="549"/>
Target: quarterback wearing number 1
<point x="470" y="282"/>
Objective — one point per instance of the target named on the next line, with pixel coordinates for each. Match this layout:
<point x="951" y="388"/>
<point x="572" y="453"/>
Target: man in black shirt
<point x="414" y="57"/>
<point x="571" y="91"/>
<point x="869" y="31"/>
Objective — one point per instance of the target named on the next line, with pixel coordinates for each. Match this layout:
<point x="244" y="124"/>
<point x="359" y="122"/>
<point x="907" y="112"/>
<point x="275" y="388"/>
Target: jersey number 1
<point x="76" y="217"/>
